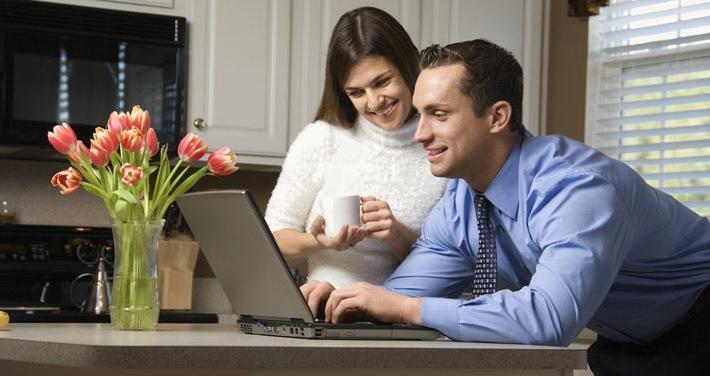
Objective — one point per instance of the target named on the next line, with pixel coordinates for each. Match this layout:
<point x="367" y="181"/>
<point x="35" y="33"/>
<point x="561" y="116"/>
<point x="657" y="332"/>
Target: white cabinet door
<point x="239" y="76"/>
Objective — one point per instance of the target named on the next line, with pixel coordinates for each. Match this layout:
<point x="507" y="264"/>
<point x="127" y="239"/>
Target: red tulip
<point x="68" y="181"/>
<point x="131" y="140"/>
<point x="139" y="119"/>
<point x="118" y="122"/>
<point x="191" y="148"/>
<point x="62" y="138"/>
<point x="222" y="162"/>
<point x="105" y="140"/>
<point x="130" y="174"/>
<point x="98" y="156"/>
<point x="78" y="153"/>
<point x="151" y="142"/>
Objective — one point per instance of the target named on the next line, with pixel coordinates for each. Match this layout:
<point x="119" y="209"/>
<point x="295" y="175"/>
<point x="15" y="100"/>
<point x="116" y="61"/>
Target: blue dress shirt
<point x="582" y="241"/>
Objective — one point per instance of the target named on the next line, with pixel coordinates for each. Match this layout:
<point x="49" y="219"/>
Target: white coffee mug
<point x="339" y="211"/>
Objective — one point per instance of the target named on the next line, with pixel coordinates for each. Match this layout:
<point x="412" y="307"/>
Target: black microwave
<point x="63" y="63"/>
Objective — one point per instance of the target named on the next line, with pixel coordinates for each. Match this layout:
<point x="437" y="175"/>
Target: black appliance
<point x="39" y="264"/>
<point x="63" y="63"/>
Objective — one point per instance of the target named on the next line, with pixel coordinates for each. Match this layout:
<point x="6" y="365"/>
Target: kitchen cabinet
<point x="164" y="7"/>
<point x="256" y="67"/>
<point x="239" y="64"/>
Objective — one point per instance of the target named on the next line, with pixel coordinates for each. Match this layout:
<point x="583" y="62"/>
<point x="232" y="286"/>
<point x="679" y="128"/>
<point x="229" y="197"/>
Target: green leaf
<point x="149" y="170"/>
<point x="125" y="195"/>
<point x="122" y="210"/>
<point x="94" y="190"/>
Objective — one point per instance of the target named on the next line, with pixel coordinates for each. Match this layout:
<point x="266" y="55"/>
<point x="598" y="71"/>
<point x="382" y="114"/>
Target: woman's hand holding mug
<point x="346" y="238"/>
<point x="380" y="223"/>
<point x="339" y="226"/>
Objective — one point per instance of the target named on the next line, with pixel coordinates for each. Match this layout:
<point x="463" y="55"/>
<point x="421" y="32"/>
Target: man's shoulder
<point x="552" y="155"/>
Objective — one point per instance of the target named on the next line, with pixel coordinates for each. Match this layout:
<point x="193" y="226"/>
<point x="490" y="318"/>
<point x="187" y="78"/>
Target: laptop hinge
<point x="246" y="319"/>
<point x="252" y="319"/>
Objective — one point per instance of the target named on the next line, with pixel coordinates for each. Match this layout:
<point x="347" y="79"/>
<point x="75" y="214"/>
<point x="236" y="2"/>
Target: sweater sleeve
<point x="301" y="178"/>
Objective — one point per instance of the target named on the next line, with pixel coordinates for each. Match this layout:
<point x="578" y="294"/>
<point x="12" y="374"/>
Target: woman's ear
<point x="500" y="113"/>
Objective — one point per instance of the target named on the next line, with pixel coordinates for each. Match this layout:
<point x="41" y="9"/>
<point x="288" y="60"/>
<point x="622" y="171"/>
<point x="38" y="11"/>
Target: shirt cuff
<point x="441" y="314"/>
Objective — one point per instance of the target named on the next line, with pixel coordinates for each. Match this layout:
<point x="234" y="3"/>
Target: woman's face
<point x="378" y="92"/>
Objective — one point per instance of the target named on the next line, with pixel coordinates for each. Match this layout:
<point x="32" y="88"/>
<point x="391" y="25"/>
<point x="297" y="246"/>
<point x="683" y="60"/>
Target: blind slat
<point x="622" y="18"/>
<point x="687" y="84"/>
<point x="679" y="145"/>
<point x="617" y="36"/>
<point x="656" y="132"/>
<point x="656" y="70"/>
<point x="677" y="175"/>
<point x="620" y="106"/>
<point x="666" y="161"/>
<point x="665" y="116"/>
<point x="657" y="45"/>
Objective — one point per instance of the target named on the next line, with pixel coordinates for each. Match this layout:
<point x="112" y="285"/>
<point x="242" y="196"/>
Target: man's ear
<point x="500" y="114"/>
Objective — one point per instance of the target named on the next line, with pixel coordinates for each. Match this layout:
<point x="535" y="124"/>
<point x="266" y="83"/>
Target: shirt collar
<point x="503" y="190"/>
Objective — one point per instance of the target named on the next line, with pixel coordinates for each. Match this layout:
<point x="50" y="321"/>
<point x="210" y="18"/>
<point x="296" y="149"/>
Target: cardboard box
<point x="176" y="263"/>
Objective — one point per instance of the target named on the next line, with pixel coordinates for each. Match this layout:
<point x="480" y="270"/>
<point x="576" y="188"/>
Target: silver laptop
<point x="247" y="262"/>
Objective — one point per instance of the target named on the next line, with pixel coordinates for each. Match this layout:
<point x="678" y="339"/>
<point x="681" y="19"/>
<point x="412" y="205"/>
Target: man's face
<point x="458" y="143"/>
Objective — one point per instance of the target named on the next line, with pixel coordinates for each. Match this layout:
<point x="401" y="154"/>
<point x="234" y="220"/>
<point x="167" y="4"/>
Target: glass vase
<point x="134" y="296"/>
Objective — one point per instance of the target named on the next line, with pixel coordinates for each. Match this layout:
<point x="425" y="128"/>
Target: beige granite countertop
<point x="220" y="346"/>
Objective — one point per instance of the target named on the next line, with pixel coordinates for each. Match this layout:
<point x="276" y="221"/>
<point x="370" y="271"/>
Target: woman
<point x="360" y="143"/>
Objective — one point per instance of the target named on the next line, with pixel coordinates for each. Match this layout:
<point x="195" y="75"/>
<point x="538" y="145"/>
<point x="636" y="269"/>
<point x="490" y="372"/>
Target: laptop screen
<point x="243" y="255"/>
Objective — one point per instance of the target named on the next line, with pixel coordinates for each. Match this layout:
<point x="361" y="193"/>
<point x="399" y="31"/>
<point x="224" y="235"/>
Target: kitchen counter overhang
<point x="222" y="346"/>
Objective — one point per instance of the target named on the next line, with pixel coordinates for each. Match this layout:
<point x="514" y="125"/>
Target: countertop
<point x="219" y="346"/>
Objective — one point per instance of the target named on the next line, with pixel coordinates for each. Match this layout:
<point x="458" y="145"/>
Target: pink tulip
<point x="118" y="122"/>
<point x="151" y="142"/>
<point x="99" y="157"/>
<point x="222" y="162"/>
<point x="130" y="174"/>
<point x="105" y="140"/>
<point x="139" y="119"/>
<point x="62" y="138"/>
<point x="131" y="140"/>
<point x="191" y="148"/>
<point x="68" y="181"/>
<point x="78" y="153"/>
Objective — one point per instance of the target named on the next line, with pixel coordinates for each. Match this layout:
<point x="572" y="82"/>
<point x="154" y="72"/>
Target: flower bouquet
<point x="116" y="168"/>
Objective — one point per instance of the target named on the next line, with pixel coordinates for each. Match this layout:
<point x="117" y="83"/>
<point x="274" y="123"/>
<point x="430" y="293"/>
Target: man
<point x="579" y="239"/>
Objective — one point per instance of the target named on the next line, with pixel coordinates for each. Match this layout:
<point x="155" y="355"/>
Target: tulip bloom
<point x="131" y="174"/>
<point x="98" y="156"/>
<point x="67" y="180"/>
<point x="105" y="140"/>
<point x="118" y="123"/>
<point x="222" y="162"/>
<point x="151" y="142"/>
<point x="131" y="140"/>
<point x="78" y="153"/>
<point x="62" y="138"/>
<point x="139" y="119"/>
<point x="191" y="148"/>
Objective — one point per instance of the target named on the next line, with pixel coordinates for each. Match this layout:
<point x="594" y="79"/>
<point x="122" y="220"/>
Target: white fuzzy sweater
<point x="366" y="160"/>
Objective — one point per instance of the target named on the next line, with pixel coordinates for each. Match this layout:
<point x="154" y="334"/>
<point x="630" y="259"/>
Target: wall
<point x="28" y="184"/>
<point x="567" y="73"/>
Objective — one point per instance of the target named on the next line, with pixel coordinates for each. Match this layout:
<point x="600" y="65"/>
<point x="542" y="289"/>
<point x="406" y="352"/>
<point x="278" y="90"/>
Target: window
<point x="648" y="93"/>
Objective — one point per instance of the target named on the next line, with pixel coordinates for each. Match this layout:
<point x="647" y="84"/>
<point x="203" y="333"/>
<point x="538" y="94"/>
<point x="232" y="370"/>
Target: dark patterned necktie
<point x="485" y="268"/>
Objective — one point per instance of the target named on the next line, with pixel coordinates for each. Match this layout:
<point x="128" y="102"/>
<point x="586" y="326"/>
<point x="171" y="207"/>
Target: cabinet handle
<point x="199" y="124"/>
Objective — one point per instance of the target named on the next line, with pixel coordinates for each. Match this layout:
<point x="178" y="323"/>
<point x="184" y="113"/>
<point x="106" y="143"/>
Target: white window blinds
<point x="648" y="93"/>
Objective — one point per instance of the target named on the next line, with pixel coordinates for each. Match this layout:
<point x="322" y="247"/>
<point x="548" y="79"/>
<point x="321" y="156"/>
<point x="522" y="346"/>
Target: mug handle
<point x="71" y="289"/>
